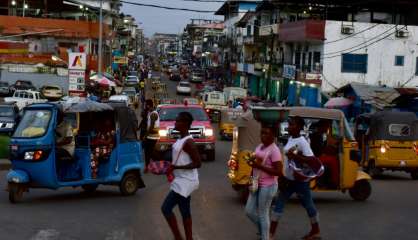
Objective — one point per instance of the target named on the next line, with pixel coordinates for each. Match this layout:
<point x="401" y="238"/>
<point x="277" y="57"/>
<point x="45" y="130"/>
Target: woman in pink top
<point x="266" y="168"/>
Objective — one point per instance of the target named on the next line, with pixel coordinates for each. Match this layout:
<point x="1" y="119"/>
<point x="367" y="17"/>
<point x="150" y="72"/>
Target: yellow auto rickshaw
<point x="226" y="122"/>
<point x="388" y="141"/>
<point x="343" y="166"/>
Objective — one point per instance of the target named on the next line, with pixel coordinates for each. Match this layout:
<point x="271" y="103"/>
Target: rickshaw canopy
<point x="389" y="125"/>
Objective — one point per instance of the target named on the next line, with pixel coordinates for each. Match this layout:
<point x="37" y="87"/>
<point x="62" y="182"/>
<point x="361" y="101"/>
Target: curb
<point x="5" y="164"/>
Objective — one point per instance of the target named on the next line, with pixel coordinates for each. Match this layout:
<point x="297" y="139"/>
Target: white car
<point x="120" y="98"/>
<point x="22" y="98"/>
<point x="184" y="88"/>
<point x="132" y="81"/>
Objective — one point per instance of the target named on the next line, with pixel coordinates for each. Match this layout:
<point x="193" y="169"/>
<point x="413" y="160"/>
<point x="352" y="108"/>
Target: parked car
<point x="132" y="81"/>
<point x="22" y="98"/>
<point x="120" y="98"/>
<point x="22" y="85"/>
<point x="201" y="129"/>
<point x="4" y="89"/>
<point x="184" y="88"/>
<point x="52" y="92"/>
<point x="9" y="117"/>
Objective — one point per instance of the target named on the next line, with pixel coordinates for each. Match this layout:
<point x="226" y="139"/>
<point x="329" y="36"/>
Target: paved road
<point x="67" y="214"/>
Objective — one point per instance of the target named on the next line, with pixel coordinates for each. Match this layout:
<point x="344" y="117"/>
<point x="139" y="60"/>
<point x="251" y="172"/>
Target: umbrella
<point x="109" y="76"/>
<point x="106" y="82"/>
<point x="88" y="106"/>
<point x="338" y="102"/>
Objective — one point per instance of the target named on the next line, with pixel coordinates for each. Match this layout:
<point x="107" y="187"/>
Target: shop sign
<point x="77" y="61"/>
<point x="76" y="80"/>
<point x="289" y="71"/>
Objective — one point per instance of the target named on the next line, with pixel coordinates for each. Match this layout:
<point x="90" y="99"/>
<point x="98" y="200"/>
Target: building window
<point x="297" y="60"/>
<point x="354" y="63"/>
<point x="399" y="60"/>
<point x="249" y="30"/>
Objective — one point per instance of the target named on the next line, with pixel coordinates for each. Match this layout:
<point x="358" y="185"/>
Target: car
<point x="184" y="88"/>
<point x="120" y="98"/>
<point x="4" y="89"/>
<point x="23" y="98"/>
<point x="9" y="117"/>
<point x="51" y="92"/>
<point x="22" y="85"/>
<point x="197" y="77"/>
<point x="191" y="101"/>
<point x="131" y="93"/>
<point x="201" y="129"/>
<point x="132" y="81"/>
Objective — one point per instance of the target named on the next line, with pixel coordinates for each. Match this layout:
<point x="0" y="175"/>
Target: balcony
<point x="302" y="31"/>
<point x="268" y="30"/>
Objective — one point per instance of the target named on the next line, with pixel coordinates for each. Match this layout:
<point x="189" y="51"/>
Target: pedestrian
<point x="298" y="150"/>
<point x="152" y="136"/>
<point x="185" y="162"/>
<point x="267" y="167"/>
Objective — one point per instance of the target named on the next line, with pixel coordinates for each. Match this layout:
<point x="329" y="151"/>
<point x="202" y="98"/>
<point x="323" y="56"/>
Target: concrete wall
<point x="381" y="55"/>
<point x="37" y="79"/>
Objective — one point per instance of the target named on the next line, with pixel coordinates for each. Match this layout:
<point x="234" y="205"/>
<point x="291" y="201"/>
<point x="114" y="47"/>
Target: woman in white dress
<point x="186" y="161"/>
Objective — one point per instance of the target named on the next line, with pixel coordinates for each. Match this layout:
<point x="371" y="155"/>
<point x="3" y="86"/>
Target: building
<point x="311" y="47"/>
<point x="166" y="45"/>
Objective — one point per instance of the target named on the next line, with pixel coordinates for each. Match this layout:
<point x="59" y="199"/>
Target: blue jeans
<point x="303" y="191"/>
<point x="174" y="199"/>
<point x="258" y="209"/>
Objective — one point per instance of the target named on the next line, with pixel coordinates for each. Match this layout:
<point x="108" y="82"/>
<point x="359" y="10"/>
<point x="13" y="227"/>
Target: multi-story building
<point x="309" y="47"/>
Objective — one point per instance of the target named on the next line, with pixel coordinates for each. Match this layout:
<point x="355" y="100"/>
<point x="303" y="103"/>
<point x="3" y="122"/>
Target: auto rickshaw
<point x="226" y="122"/>
<point x="35" y="158"/>
<point x="346" y="160"/>
<point x="388" y="141"/>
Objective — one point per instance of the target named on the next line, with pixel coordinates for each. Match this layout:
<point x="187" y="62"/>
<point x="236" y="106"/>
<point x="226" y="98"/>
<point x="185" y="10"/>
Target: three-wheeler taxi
<point x="388" y="141"/>
<point x="341" y="161"/>
<point x="105" y="149"/>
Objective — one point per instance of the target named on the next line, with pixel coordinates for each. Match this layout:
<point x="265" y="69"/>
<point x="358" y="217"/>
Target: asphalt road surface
<point x="390" y="213"/>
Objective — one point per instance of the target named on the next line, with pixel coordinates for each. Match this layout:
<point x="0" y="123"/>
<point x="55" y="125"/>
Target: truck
<point x="23" y="98"/>
<point x="214" y="102"/>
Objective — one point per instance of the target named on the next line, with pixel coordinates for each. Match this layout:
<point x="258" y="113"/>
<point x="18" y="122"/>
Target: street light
<point x="13" y="3"/>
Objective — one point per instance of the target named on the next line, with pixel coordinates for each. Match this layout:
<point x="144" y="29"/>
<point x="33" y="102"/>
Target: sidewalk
<point x="5" y="164"/>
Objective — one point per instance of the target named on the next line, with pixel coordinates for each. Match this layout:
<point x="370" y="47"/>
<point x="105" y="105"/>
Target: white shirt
<point x="186" y="180"/>
<point x="302" y="145"/>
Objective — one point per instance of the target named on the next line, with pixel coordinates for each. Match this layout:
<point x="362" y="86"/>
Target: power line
<point x="370" y="44"/>
<point x="352" y="35"/>
<point x="168" y="8"/>
<point x="371" y="39"/>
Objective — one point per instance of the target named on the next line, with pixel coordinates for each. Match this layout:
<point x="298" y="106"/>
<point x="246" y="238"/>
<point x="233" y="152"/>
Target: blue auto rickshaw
<point x="37" y="164"/>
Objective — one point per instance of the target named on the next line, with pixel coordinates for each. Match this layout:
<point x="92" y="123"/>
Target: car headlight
<point x="208" y="132"/>
<point x="9" y="125"/>
<point x="163" y="133"/>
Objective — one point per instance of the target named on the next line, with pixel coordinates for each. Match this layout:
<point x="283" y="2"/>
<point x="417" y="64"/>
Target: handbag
<point x="162" y="167"/>
<point x="253" y="182"/>
<point x="308" y="171"/>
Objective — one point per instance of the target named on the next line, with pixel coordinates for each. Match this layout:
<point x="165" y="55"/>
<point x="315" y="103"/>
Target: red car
<point x="201" y="130"/>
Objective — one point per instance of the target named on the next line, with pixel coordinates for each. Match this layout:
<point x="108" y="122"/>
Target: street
<point x="390" y="213"/>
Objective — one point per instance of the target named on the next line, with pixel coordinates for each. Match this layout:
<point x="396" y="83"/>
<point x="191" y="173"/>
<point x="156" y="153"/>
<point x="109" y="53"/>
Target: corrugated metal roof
<point x="377" y="96"/>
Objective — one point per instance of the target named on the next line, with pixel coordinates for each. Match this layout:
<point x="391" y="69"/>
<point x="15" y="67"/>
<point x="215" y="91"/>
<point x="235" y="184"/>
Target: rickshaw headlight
<point x="9" y="125"/>
<point x="208" y="132"/>
<point x="382" y="149"/>
<point x="163" y="133"/>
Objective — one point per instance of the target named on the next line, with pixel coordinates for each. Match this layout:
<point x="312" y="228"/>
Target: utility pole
<point x="100" y="47"/>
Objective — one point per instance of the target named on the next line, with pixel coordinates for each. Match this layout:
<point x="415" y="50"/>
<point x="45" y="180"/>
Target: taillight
<point x="33" y="155"/>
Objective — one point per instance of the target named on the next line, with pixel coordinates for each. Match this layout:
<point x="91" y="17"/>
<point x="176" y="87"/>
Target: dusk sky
<point x="168" y="21"/>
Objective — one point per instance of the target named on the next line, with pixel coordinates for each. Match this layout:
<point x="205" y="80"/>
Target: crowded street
<point x="71" y="214"/>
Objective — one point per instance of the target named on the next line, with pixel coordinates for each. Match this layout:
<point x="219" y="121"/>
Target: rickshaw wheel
<point x="361" y="190"/>
<point x="129" y="184"/>
<point x="15" y="193"/>
<point x="89" y="188"/>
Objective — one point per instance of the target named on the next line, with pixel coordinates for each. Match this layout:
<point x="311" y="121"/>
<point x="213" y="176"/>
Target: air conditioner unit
<point x="403" y="33"/>
<point x="347" y="30"/>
